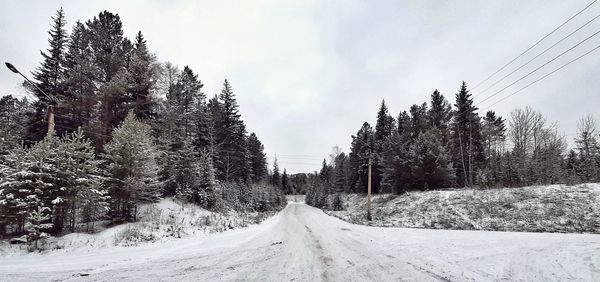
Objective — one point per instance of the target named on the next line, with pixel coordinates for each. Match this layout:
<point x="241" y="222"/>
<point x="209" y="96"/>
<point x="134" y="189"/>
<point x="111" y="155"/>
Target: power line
<point x="538" y="55"/>
<point x="541" y="78"/>
<point x="538" y="68"/>
<point x="535" y="44"/>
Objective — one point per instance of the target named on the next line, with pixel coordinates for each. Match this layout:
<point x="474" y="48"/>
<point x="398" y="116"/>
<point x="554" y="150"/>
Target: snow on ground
<point x="302" y="243"/>
<point x="159" y="222"/>
<point x="555" y="208"/>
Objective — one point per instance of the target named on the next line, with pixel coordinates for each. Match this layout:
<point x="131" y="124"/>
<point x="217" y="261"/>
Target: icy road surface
<point x="303" y="244"/>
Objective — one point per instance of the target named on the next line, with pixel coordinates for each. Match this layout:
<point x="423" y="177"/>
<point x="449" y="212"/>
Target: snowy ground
<point x="302" y="243"/>
<point x="554" y="208"/>
<point x="159" y="222"/>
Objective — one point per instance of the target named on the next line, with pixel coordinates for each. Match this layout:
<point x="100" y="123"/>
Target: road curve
<point x="304" y="244"/>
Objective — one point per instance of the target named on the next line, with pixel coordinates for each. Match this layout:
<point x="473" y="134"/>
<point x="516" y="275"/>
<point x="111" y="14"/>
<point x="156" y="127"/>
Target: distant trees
<point x="275" y="177"/>
<point x="436" y="145"/>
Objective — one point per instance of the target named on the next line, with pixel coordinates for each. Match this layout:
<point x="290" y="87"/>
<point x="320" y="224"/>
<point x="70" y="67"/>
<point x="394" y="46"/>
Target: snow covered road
<point x="303" y="244"/>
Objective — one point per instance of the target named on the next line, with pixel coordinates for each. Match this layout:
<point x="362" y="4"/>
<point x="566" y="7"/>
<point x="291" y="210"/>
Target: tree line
<point x="438" y="145"/>
<point x="128" y="129"/>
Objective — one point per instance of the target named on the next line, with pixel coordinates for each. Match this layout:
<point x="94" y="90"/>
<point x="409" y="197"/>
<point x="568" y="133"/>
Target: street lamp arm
<point x="15" y="70"/>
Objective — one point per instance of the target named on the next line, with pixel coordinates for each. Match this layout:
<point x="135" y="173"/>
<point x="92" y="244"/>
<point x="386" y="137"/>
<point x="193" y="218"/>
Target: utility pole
<point x="50" y="118"/>
<point x="369" y="192"/>
<point x="50" y="108"/>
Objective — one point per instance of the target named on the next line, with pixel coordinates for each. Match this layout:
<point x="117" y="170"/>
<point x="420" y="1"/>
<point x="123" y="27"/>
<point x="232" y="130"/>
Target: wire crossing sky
<point x="307" y="74"/>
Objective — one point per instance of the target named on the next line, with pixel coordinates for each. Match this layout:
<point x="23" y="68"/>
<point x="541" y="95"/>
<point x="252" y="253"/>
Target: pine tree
<point x="80" y="89"/>
<point x="110" y="53"/>
<point x="110" y="49"/>
<point x="81" y="181"/>
<point x="33" y="185"/>
<point x="132" y="168"/>
<point x="37" y="224"/>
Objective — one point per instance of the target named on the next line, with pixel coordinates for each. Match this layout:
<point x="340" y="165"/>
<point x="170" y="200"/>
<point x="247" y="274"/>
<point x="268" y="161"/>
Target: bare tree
<point x="537" y="147"/>
<point x="587" y="145"/>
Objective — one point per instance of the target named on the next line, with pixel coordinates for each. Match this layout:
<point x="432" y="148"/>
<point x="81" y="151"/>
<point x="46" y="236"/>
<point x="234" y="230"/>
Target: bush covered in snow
<point x="555" y="208"/>
<point x="169" y="219"/>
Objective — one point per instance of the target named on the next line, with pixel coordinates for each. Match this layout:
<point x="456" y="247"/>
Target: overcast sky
<point x="307" y="74"/>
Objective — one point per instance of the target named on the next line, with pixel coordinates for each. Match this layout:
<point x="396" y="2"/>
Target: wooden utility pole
<point x="50" y="119"/>
<point x="369" y="192"/>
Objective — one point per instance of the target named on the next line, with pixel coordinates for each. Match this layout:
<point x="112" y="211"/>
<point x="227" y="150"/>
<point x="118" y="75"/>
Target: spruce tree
<point x="275" y="177"/>
<point x="418" y="120"/>
<point x="13" y="114"/>
<point x="230" y="139"/>
<point x="185" y="173"/>
<point x="206" y="194"/>
<point x="397" y="173"/>
<point x="361" y="150"/>
<point x="383" y="129"/>
<point x="142" y="68"/>
<point x="440" y="114"/>
<point x="340" y="173"/>
<point x="467" y="148"/>
<point x="285" y="182"/>
<point x="48" y="77"/>
<point x="429" y="161"/>
<point x="493" y="134"/>
<point x="258" y="159"/>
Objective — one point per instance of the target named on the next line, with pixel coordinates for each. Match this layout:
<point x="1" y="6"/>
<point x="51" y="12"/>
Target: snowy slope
<point x="554" y="208"/>
<point x="158" y="222"/>
<point x="302" y="243"/>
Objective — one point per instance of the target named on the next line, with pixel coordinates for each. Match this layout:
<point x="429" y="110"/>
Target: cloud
<point x="308" y="73"/>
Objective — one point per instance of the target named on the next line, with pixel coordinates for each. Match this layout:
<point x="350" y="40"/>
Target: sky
<point x="308" y="74"/>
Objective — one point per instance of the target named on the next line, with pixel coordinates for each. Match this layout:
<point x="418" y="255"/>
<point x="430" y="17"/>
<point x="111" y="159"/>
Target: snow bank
<point x="555" y="208"/>
<point x="158" y="222"/>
